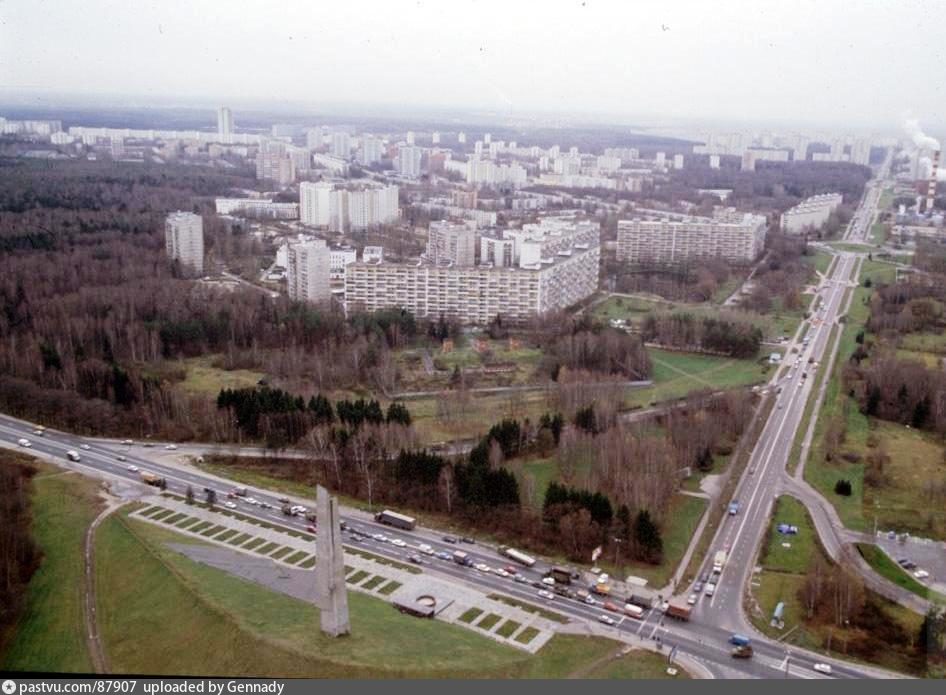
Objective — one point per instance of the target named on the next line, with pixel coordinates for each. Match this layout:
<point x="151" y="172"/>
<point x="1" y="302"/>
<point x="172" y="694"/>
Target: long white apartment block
<point x="810" y="213"/>
<point x="550" y="274"/>
<point x="728" y="235"/>
<point x="184" y="240"/>
<point x="257" y="208"/>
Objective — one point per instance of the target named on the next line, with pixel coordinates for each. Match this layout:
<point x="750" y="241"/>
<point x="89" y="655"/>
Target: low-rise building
<point x="811" y="213"/>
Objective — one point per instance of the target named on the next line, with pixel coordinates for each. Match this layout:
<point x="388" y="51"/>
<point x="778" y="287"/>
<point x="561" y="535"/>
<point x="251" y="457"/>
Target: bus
<point x="517" y="555"/>
<point x="401" y="521"/>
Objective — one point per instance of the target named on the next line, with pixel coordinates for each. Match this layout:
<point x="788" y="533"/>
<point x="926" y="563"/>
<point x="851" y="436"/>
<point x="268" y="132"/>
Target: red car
<point x="310" y="528"/>
<point x="608" y="606"/>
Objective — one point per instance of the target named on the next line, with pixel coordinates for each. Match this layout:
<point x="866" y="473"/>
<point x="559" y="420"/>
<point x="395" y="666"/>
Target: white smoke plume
<point x="926" y="168"/>
<point x="920" y="139"/>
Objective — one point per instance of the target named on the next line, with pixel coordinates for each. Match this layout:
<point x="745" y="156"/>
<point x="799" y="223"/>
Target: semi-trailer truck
<point x="518" y="556"/>
<point x="401" y="521"/>
<point x="679" y="611"/>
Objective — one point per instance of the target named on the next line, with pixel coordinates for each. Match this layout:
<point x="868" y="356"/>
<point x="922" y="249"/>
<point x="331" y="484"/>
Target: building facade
<point x="308" y="269"/>
<point x="811" y="213"/>
<point x="729" y="235"/>
<point x="184" y="240"/>
<point x="452" y="242"/>
<point x="343" y="207"/>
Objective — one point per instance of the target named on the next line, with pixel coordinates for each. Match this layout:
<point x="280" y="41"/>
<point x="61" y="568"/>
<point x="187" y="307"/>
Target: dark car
<point x="467" y="539"/>
<point x="416" y="559"/>
<point x="449" y="539"/>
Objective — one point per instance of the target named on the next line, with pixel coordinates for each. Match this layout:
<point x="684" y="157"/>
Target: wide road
<point x="703" y="638"/>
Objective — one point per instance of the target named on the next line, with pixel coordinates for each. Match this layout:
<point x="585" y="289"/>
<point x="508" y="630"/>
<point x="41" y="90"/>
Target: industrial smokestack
<point x="931" y="191"/>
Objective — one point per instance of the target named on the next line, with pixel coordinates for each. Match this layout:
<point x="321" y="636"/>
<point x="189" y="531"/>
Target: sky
<point x="862" y="63"/>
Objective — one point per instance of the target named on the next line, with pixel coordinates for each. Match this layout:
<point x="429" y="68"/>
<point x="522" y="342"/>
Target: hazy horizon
<point x="741" y="62"/>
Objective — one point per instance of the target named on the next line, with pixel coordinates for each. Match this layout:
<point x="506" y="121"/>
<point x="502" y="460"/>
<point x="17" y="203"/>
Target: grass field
<point x="202" y="377"/>
<point x="160" y="612"/>
<point x="801" y="547"/>
<point x="50" y="635"/>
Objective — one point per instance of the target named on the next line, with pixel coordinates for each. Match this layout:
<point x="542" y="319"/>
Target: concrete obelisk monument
<point x="330" y="585"/>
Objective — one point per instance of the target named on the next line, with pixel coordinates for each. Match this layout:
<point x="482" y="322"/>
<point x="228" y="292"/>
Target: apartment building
<point x="476" y="295"/>
<point x="184" y="240"/>
<point x="342" y="207"/>
<point x="308" y="269"/>
<point x="452" y="242"/>
<point x="811" y="213"/>
<point x="729" y="235"/>
<point x="257" y="208"/>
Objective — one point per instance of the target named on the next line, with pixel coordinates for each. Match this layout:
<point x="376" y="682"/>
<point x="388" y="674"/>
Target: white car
<point x="380" y="537"/>
<point x="229" y="505"/>
<point x="482" y="567"/>
<point x="590" y="601"/>
<point x="423" y="547"/>
<point x="822" y="668"/>
<point x="39" y="433"/>
<point x="692" y="599"/>
<point x="250" y="500"/>
<point x="603" y="578"/>
<point x="132" y="469"/>
<point x="398" y="543"/>
<point x="501" y="572"/>
<point x="171" y="447"/>
<point x="921" y="574"/>
<point x="24" y="442"/>
<point x="547" y="595"/>
<point x="127" y="442"/>
<point x="85" y="447"/>
<point x="710" y="589"/>
<point x="606" y="619"/>
<point x="548" y="581"/>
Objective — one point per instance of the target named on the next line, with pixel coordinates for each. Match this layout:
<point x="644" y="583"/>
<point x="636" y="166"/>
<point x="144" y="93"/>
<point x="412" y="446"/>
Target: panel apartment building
<point x="810" y="213"/>
<point x="184" y="240"/>
<point x="345" y="207"/>
<point x="546" y="277"/>
<point x="308" y="269"/>
<point x="728" y="235"/>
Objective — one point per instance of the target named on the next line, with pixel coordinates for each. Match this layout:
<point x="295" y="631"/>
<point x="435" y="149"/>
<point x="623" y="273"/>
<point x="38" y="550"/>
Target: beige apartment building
<point x="728" y="235"/>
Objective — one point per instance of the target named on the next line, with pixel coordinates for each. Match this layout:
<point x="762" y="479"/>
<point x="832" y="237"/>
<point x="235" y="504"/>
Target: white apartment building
<point x="343" y="207"/>
<point x="810" y="213"/>
<point x="257" y="208"/>
<point x="341" y="144"/>
<point x="452" y="242"/>
<point x="308" y="270"/>
<point x="485" y="172"/>
<point x="408" y="161"/>
<point x="225" y="124"/>
<point x="729" y="235"/>
<point x="372" y="254"/>
<point x="339" y="258"/>
<point x="370" y="151"/>
<point x="184" y="240"/>
<point x="476" y="295"/>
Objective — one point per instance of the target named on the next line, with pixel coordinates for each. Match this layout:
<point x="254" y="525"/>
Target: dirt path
<point x="96" y="650"/>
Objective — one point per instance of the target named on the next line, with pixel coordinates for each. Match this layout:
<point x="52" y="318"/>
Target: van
<point x="739" y="640"/>
<point x="72" y="455"/>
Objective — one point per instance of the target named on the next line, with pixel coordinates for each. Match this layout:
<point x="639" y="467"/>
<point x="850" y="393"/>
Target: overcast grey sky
<point x="853" y="61"/>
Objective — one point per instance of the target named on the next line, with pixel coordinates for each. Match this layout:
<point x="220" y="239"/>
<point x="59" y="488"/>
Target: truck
<point x="560" y="575"/>
<point x="518" y="556"/>
<point x="633" y="611"/>
<point x="73" y="455"/>
<point x="679" y="611"/>
<point x="151" y="479"/>
<point x="239" y="491"/>
<point x="743" y="651"/>
<point x="287" y="510"/>
<point x="739" y="640"/>
<point x="601" y="589"/>
<point x="462" y="558"/>
<point x="401" y="521"/>
<point x="719" y="561"/>
<point x="639" y="600"/>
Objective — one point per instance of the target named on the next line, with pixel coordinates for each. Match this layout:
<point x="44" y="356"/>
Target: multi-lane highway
<point x="701" y="639"/>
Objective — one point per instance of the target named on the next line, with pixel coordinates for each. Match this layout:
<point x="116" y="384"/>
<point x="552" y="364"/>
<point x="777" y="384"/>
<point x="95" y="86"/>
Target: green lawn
<point x="51" y="633"/>
<point x="802" y="547"/>
<point x="637" y="664"/>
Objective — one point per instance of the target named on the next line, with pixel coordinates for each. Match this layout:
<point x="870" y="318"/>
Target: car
<point x="590" y="600"/>
<point x="449" y="539"/>
<point x="398" y="543"/>
<point x="596" y="570"/>
<point x="537" y="584"/>
<point x="132" y="469"/>
<point x="251" y="500"/>
<point x="752" y="470"/>
<point x="428" y="551"/>
<point x="482" y="567"/>
<point x="519" y="578"/>
<point x="734" y="508"/>
<point x="547" y="595"/>
<point x="613" y="607"/>
<point x="171" y="447"/>
<point x="265" y="505"/>
<point x="692" y="599"/>
<point x="704" y="577"/>
<point x="548" y="581"/>
<point x="780" y="405"/>
<point x="39" y="433"/>
<point x="921" y="574"/>
<point x="606" y="619"/>
<point x="122" y="457"/>
<point x="284" y="500"/>
<point x="467" y="539"/>
<point x="698" y="586"/>
<point x="444" y="555"/>
<point x="415" y="558"/>
<point x="822" y="668"/>
<point x="511" y="569"/>
<point x="24" y="442"/>
<point x="310" y="528"/>
<point x="229" y="505"/>
<point x="664" y="606"/>
<point x="84" y="447"/>
<point x="499" y="571"/>
<point x="148" y="445"/>
<point x="128" y="442"/>
<point x="380" y="537"/>
<point x="603" y="578"/>
<point x="710" y="589"/>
